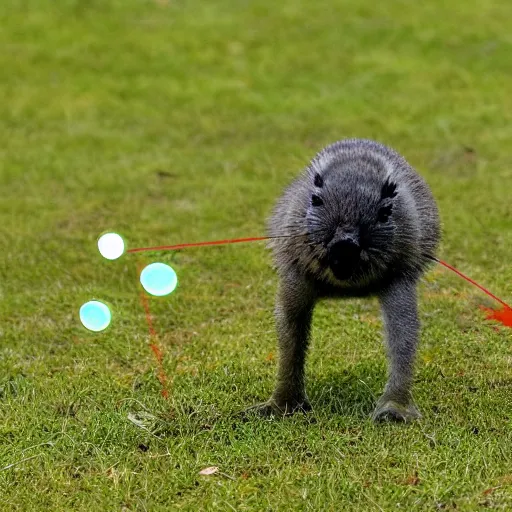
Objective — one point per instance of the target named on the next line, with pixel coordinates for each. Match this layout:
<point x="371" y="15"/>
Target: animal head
<point x="352" y="217"/>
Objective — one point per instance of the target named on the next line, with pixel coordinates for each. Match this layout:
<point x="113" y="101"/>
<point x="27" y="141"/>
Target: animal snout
<point x="344" y="256"/>
<point x="345" y="251"/>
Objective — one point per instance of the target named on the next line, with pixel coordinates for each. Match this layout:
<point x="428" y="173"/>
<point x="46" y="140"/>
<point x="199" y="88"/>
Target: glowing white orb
<point x="111" y="246"/>
<point x="158" y="279"/>
<point x="95" y="315"/>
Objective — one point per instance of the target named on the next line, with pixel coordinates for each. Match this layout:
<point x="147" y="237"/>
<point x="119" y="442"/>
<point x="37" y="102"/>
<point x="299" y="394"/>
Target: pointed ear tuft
<point x="388" y="189"/>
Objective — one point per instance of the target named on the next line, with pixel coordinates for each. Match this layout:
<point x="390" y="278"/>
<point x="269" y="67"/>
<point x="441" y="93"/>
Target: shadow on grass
<point x="350" y="392"/>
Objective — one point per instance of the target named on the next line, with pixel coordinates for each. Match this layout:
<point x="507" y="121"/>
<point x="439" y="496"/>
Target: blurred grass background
<point x="172" y="121"/>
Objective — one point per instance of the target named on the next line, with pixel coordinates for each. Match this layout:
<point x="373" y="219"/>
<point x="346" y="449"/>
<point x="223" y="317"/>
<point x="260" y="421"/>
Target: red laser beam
<point x="199" y="244"/>
<point x="149" y="320"/>
<point x="503" y="315"/>
<point x="162" y="376"/>
<point x="458" y="272"/>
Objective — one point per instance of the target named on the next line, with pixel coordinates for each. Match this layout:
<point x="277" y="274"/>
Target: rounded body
<point x="358" y="217"/>
<point x="358" y="221"/>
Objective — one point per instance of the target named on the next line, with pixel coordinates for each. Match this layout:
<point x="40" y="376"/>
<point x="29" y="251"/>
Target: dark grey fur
<point x="359" y="222"/>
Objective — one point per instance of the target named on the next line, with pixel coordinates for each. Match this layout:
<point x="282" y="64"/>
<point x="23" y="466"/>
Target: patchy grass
<point x="182" y="121"/>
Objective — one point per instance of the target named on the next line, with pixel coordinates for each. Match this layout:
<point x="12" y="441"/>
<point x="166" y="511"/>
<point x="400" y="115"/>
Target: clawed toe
<point x="391" y="410"/>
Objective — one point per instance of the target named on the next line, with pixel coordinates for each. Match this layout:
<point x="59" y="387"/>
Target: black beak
<point x="344" y="256"/>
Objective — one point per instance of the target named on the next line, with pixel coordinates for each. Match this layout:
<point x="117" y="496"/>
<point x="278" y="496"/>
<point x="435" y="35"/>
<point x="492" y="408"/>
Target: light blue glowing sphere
<point x="95" y="315"/>
<point x="158" y="279"/>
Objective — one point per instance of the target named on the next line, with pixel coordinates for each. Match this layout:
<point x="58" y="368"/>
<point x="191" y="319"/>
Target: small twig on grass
<point x="47" y="443"/>
<point x="159" y="455"/>
<point x="371" y="501"/>
<point x="142" y="504"/>
<point x="128" y="399"/>
<point x="131" y="417"/>
<point x="227" y="476"/>
<point x="20" y="461"/>
<point x="342" y="455"/>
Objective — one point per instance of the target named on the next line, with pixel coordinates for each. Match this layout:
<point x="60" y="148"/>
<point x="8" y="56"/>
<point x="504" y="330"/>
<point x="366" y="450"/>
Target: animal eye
<point x="319" y="181"/>
<point x="316" y="200"/>
<point x="384" y="213"/>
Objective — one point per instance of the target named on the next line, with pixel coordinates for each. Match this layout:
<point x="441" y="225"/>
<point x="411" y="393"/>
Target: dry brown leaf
<point x="490" y="490"/>
<point x="209" y="471"/>
<point x="412" y="480"/>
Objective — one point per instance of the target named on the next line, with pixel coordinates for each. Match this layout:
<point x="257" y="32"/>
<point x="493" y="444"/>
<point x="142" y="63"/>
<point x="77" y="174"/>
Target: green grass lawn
<point x="173" y="121"/>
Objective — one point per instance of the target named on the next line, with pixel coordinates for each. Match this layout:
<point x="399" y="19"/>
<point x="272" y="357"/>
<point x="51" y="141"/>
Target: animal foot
<point x="390" y="410"/>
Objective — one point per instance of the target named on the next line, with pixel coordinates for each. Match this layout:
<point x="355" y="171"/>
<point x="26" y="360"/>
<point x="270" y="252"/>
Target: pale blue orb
<point x="95" y="315"/>
<point x="158" y="279"/>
